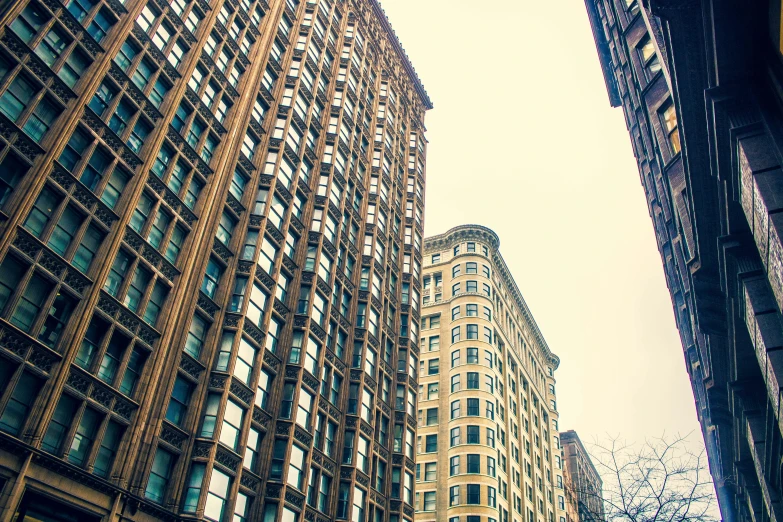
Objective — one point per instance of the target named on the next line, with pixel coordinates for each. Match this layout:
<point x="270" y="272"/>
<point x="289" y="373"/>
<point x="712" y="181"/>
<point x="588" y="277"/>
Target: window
<point x="454" y="490"/>
<point x="108" y="449"/>
<point x="431" y="443"/>
<point x="12" y="169"/>
<point x="455" y="409"/>
<point x="350" y="437"/>
<point x="91" y="242"/>
<point x="473" y="407"/>
<point x="472" y="330"/>
<point x="262" y="393"/>
<point x="22" y="105"/>
<point x="455" y="358"/>
<point x="429" y="501"/>
<point x="408" y="488"/>
<point x="304" y="409"/>
<point x="217" y="495"/>
<point x="648" y="56"/>
<point x="232" y="424"/>
<point x="323" y="493"/>
<point x="455" y="383"/>
<point x="159" y="476"/>
<point x="357" y="514"/>
<point x="362" y="452"/>
<point x="180" y="398"/>
<point x="255" y="309"/>
<point x="278" y="459"/>
<point x="409" y="443"/>
<point x="296" y="468"/>
<point x="39" y="298"/>
<point x="669" y="117"/>
<point x="250" y="460"/>
<point x="474" y="494"/>
<point x="474" y="463"/>
<point x="19" y="404"/>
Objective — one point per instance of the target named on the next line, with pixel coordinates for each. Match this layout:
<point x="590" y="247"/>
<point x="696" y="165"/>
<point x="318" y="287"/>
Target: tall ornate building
<point x="210" y="254"/>
<point x="488" y="439"/>
<point x="586" y="486"/>
<point x="699" y="82"/>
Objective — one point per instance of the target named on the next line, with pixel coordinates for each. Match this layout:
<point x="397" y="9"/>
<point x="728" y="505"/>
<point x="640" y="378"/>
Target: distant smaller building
<point x="581" y="480"/>
<point x="571" y="502"/>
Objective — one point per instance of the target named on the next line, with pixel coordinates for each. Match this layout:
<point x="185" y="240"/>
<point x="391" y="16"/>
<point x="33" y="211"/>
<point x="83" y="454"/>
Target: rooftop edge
<point x="487" y="233"/>
<point x="386" y="24"/>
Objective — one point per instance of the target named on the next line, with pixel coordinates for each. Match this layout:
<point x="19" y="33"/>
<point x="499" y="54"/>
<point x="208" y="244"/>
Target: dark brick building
<point x="210" y="252"/>
<point x="700" y="83"/>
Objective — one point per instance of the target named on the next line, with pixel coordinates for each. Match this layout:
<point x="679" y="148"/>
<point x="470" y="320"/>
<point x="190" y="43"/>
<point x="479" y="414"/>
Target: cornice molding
<point x="461" y="234"/>
<point x="395" y="41"/>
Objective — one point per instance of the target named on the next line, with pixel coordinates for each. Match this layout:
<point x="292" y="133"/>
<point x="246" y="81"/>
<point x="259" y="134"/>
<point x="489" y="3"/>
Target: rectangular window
<point x="159" y="476"/>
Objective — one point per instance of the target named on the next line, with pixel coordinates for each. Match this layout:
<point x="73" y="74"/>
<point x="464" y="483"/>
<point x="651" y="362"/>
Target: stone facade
<point x="584" y="487"/>
<point x="487" y="444"/>
<point x="700" y="86"/>
<point x="571" y="498"/>
<point x="194" y="198"/>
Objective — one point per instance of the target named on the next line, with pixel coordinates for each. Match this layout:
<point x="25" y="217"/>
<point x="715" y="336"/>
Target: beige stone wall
<point x="519" y="394"/>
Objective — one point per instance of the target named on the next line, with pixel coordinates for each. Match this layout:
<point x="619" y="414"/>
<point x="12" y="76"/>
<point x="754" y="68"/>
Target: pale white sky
<point x="522" y="140"/>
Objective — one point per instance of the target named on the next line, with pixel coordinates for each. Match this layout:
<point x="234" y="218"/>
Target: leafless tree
<point x="662" y="480"/>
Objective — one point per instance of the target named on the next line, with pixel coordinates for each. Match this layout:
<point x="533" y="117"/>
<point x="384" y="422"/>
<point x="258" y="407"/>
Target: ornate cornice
<point x="460" y="234"/>
<point x="486" y="235"/>
<point x="395" y="41"/>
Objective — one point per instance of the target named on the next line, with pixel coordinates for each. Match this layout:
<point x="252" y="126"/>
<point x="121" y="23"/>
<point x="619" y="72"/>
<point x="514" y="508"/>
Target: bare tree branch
<point x="661" y="480"/>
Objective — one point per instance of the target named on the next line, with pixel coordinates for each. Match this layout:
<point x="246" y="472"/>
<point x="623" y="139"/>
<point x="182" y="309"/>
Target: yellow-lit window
<point x="648" y="55"/>
<point x="669" y="116"/>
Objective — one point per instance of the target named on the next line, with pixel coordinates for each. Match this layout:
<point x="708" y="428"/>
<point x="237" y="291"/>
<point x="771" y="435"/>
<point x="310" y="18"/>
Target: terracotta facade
<point x="194" y="199"/>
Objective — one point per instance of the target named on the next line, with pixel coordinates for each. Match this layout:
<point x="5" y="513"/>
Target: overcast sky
<point x="523" y="140"/>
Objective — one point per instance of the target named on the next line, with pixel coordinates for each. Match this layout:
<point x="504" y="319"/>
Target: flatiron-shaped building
<point x="488" y="440"/>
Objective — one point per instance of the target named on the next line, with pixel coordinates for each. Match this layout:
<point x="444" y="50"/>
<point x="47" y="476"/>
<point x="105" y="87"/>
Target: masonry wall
<point x="488" y="442"/>
<point x="194" y="197"/>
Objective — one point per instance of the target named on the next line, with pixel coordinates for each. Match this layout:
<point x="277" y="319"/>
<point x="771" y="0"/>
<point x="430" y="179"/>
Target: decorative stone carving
<point x="78" y="382"/>
<point x="217" y="381"/>
<point x="42" y="359"/>
<point x="172" y="436"/>
<point x="227" y="459"/>
<point x="202" y="450"/>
